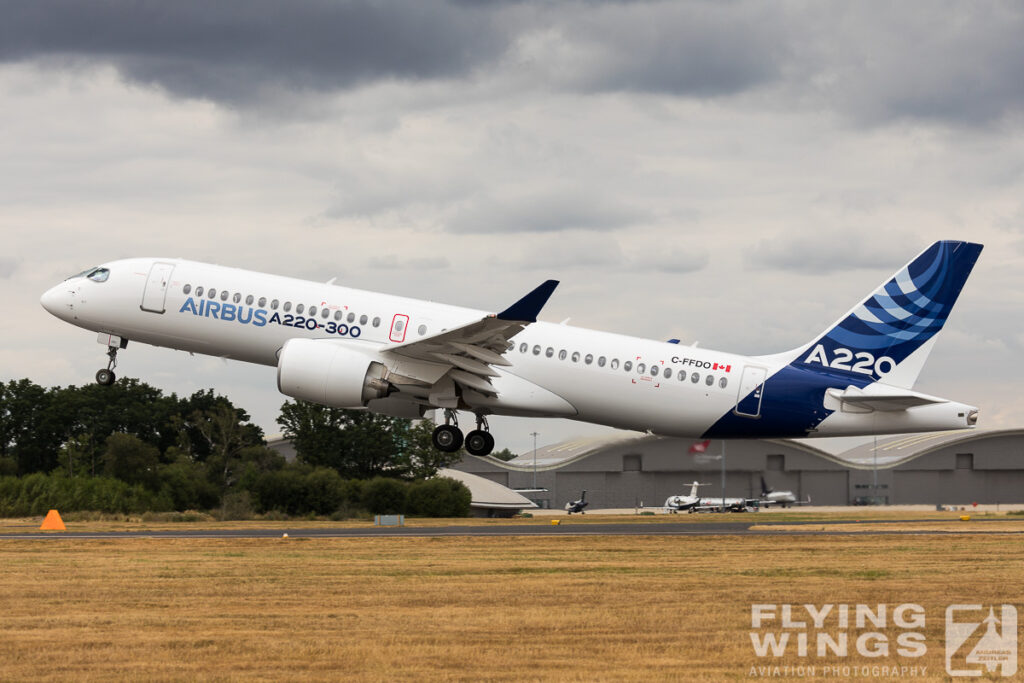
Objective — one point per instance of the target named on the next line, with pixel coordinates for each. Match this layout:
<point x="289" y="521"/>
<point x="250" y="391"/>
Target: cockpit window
<point x="94" y="273"/>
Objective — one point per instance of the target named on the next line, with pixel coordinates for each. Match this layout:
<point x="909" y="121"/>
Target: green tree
<point x="30" y="434"/>
<point x="440" y="497"/>
<point x="359" y="444"/>
<point x="504" y="454"/>
<point x="132" y="460"/>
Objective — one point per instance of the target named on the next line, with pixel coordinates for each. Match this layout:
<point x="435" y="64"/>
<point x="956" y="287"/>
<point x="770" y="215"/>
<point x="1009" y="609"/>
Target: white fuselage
<point x="667" y="389"/>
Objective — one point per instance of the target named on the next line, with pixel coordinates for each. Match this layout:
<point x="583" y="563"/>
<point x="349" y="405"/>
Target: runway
<point x="565" y="529"/>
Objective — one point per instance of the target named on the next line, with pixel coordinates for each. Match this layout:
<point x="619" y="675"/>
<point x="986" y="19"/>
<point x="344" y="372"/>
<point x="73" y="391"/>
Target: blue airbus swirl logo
<point x="899" y="316"/>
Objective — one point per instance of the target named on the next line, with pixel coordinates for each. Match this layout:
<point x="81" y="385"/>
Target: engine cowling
<point x="330" y="373"/>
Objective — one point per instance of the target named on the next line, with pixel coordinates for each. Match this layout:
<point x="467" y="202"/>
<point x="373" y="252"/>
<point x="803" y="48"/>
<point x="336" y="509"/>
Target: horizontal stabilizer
<point x="890" y="399"/>
<point x="526" y="309"/>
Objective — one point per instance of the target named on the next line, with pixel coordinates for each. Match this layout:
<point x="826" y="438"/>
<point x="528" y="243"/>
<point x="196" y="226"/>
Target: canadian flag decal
<point x="725" y="368"/>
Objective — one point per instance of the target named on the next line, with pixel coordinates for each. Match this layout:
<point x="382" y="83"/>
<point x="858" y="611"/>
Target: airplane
<point x="577" y="505"/>
<point x="350" y="348"/>
<point x="674" y="504"/>
<point x="783" y="498"/>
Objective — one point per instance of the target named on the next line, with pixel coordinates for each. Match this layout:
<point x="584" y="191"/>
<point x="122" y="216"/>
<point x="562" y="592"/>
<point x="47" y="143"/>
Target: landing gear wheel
<point x="479" y="442"/>
<point x="447" y="438"/>
<point x="105" y="377"/>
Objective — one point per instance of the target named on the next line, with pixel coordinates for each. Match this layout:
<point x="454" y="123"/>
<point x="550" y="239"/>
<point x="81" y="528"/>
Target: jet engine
<point x="330" y="373"/>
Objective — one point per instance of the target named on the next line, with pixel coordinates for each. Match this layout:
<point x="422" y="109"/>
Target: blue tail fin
<point x="891" y="332"/>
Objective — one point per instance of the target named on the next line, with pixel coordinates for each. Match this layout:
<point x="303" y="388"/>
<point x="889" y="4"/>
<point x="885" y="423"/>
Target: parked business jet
<point x="356" y="349"/>
<point x="676" y="504"/>
<point x="770" y="496"/>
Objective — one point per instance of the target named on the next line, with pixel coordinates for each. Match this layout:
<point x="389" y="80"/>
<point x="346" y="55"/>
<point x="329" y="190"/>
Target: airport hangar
<point x="945" y="468"/>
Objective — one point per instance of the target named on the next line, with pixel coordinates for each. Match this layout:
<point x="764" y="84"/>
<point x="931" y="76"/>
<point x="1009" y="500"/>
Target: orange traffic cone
<point x="53" y="522"/>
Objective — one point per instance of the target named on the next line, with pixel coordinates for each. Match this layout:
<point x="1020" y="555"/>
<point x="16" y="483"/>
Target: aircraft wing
<point x="470" y="352"/>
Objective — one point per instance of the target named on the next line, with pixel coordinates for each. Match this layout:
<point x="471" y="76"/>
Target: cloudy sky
<point x="733" y="173"/>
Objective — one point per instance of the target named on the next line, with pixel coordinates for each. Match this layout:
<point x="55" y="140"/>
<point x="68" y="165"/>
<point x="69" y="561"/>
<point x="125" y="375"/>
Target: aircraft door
<point x="155" y="294"/>
<point x="751" y="391"/>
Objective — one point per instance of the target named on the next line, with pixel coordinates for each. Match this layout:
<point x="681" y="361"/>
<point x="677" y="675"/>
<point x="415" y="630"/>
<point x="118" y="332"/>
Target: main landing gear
<point x="448" y="437"/>
<point x="107" y="377"/>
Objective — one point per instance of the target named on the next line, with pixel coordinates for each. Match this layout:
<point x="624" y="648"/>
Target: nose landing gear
<point x="114" y="344"/>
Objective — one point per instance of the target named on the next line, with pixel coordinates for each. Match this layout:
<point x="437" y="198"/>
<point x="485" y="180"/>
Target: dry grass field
<point x="509" y="609"/>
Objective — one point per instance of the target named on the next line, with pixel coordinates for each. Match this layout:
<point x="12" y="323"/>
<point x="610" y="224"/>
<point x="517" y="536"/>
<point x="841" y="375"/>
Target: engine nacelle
<point x="330" y="373"/>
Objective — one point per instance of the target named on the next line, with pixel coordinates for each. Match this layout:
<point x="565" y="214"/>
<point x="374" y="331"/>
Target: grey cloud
<point x="694" y="49"/>
<point x="675" y="261"/>
<point x="824" y="253"/>
<point x="941" y="61"/>
<point x="543" y="213"/>
<point x="392" y="262"/>
<point x="7" y="268"/>
<point x="237" y="50"/>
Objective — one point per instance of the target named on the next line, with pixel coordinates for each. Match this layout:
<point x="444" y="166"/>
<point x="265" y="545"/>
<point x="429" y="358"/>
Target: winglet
<point x="526" y="309"/>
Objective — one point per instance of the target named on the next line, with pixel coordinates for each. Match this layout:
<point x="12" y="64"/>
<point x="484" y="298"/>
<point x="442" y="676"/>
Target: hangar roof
<point x="892" y="449"/>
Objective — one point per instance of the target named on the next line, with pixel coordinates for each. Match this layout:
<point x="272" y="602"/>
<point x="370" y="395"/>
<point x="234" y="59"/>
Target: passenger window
<point x="575" y="356"/>
<point x="338" y="315"/>
<point x="589" y="358"/>
<point x="186" y="289"/>
<point x="600" y="362"/>
<point x="248" y="300"/>
<point x="695" y="377"/>
<point x="627" y="366"/>
<point x="710" y="380"/>
<point x="199" y="291"/>
<point x="262" y="303"/>
<point x="682" y="375"/>
<point x="562" y="354"/>
<point x="363" y="319"/>
<point x="237" y="298"/>
<point x="523" y="347"/>
<point x="312" y="311"/>
<point x="640" y="367"/>
<point x="668" y="373"/>
<point x="723" y="382"/>
<point x="352" y="318"/>
<point x="421" y="330"/>
<point x="273" y="305"/>
<point x="212" y="293"/>
<point x="224" y="295"/>
<point x="299" y="308"/>
<point x="324" y="313"/>
<point x="615" y="363"/>
<point x="536" y="350"/>
<point x="376" y="322"/>
<point x="287" y="306"/>
<point x="399" y="324"/>
<point x="550" y="352"/>
<point x="654" y="371"/>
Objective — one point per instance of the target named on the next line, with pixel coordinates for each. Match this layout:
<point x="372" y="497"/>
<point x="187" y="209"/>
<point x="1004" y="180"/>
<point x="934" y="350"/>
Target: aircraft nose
<point x="57" y="300"/>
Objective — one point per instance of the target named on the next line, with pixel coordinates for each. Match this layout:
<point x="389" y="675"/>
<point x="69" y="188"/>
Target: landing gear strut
<point x="479" y="441"/>
<point x="447" y="437"/>
<point x="107" y="377"/>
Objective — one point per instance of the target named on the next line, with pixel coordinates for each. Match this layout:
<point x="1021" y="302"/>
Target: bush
<point x="325" y="491"/>
<point x="441" y="497"/>
<point x="38" y="492"/>
<point x="236" y="505"/>
<point x="383" y="496"/>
